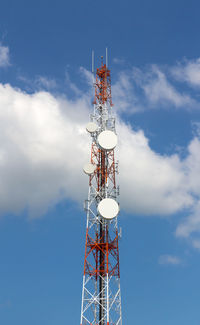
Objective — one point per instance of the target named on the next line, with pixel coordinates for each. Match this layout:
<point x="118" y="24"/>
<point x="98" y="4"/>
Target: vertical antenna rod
<point x="106" y="57"/>
<point x="92" y="62"/>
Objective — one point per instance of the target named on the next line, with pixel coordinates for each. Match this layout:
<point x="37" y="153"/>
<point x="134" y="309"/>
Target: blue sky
<point x="45" y="100"/>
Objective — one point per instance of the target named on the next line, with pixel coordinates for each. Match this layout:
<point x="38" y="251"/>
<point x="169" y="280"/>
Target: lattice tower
<point x="101" y="296"/>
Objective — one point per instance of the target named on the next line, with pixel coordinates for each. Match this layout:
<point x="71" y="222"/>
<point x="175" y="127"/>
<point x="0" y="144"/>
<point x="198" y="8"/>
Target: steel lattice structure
<point x="101" y="296"/>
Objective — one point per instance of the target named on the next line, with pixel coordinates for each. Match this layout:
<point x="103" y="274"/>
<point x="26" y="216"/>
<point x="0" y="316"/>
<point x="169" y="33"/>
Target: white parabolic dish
<point x="91" y="127"/>
<point x="108" y="208"/>
<point x="89" y="168"/>
<point x="107" y="140"/>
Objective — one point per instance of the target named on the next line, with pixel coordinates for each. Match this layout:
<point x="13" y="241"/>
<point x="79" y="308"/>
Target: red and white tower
<point x="101" y="296"/>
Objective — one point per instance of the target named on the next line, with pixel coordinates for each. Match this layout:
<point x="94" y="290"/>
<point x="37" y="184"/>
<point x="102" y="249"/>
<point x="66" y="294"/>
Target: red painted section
<point x="109" y="248"/>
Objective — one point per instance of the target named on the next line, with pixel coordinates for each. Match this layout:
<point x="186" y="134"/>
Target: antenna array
<point x="101" y="296"/>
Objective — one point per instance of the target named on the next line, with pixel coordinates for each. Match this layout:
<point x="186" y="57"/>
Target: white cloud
<point x="88" y="76"/>
<point x="72" y="85"/>
<point x="141" y="89"/>
<point x="151" y="184"/>
<point x="39" y="83"/>
<point x="196" y="243"/>
<point x="169" y="260"/>
<point x="45" y="83"/>
<point x="125" y="96"/>
<point x="118" y="61"/>
<point x="4" y="56"/>
<point x="188" y="71"/>
<point x="192" y="167"/>
<point x="43" y="146"/>
<point x="158" y="90"/>
<point x="191" y="224"/>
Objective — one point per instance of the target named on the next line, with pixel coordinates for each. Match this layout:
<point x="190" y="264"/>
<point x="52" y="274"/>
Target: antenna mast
<point x="101" y="296"/>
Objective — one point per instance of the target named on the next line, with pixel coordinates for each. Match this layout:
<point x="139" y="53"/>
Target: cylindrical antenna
<point x="92" y="61"/>
<point x="106" y="57"/>
<point x="93" y="77"/>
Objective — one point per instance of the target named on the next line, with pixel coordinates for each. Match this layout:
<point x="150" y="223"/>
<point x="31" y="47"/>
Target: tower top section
<point x="103" y="86"/>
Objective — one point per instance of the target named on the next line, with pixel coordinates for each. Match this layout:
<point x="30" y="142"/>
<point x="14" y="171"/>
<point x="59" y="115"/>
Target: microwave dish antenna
<point x="107" y="140"/>
<point x="108" y="208"/>
<point x="89" y="168"/>
<point x="91" y="127"/>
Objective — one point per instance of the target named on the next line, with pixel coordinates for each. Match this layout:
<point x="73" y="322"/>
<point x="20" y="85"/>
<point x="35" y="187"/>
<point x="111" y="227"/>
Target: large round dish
<point x="89" y="168"/>
<point x="107" y="140"/>
<point x="108" y="208"/>
<point x="91" y="127"/>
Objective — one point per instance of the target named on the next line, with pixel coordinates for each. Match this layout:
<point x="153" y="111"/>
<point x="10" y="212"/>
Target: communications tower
<point x="101" y="296"/>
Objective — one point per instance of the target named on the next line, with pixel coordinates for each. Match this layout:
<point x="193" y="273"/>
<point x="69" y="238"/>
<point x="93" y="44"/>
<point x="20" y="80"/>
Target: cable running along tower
<point x="101" y="296"/>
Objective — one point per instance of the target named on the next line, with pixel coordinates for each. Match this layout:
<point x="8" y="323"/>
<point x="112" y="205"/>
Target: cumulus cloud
<point x="43" y="146"/>
<point x="45" y="83"/>
<point x="196" y="243"/>
<point x="188" y="71"/>
<point x="39" y="83"/>
<point x="169" y="260"/>
<point x="158" y="87"/>
<point x="125" y="96"/>
<point x="191" y="224"/>
<point x="158" y="90"/>
<point x="118" y="61"/>
<point x="151" y="184"/>
<point x="4" y="56"/>
<point x="88" y="76"/>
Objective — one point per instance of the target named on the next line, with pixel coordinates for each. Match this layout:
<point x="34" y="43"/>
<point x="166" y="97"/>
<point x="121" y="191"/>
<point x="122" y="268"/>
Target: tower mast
<point x="101" y="296"/>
